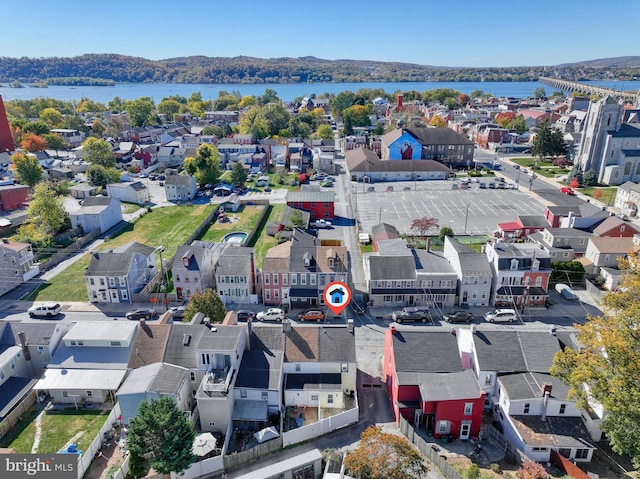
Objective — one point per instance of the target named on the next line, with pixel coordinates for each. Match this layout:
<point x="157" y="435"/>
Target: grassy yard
<point x="604" y="195"/>
<point x="247" y="217"/>
<point x="264" y="241"/>
<point x="128" y="208"/>
<point x="169" y="227"/>
<point x="57" y="429"/>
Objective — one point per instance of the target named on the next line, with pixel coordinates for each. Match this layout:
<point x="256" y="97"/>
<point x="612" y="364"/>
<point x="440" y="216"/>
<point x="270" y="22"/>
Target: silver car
<point x="271" y="314"/>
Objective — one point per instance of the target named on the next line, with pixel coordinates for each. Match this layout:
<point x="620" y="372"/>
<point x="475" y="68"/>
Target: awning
<point x="247" y="410"/>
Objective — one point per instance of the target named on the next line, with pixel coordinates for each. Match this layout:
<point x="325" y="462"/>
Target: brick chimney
<point x="400" y="98"/>
<point x="23" y="344"/>
<point x="546" y="392"/>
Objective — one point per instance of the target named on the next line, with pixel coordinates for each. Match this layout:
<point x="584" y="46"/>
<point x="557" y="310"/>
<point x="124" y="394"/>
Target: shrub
<point x="473" y="472"/>
<point x="495" y="467"/>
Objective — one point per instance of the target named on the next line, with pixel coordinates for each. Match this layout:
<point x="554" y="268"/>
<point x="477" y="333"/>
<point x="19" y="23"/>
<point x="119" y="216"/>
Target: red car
<point x="567" y="191"/>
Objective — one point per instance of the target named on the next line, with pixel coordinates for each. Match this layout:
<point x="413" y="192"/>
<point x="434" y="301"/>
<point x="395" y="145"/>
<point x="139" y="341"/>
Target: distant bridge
<point x="588" y="89"/>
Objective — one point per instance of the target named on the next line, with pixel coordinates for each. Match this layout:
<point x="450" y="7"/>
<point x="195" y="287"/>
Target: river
<point x="286" y="92"/>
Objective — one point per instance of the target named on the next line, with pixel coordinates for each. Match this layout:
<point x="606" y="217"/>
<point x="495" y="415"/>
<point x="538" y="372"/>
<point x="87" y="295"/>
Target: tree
<point x="548" y="142"/>
<point x="296" y="220"/>
<point x="606" y="367"/>
<point x="445" y="231"/>
<point x="590" y="178"/>
<point x="532" y="470"/>
<point x="325" y="132"/>
<point x="238" y="174"/>
<point x="539" y="93"/>
<point x="269" y="96"/>
<point x="98" y="175"/>
<point x="213" y="130"/>
<point x="423" y="225"/>
<point x="205" y="166"/>
<point x="140" y="111"/>
<point x="574" y="183"/>
<point x="504" y="118"/>
<point x="575" y="172"/>
<point x="51" y="117"/>
<point x="436" y="121"/>
<point x="33" y="143"/>
<point x="45" y="210"/>
<point x="56" y="142"/>
<point x="36" y="127"/>
<point x="384" y="456"/>
<point x="98" y="152"/>
<point x="169" y="107"/>
<point x="518" y="124"/>
<point x="28" y="170"/>
<point x="208" y="302"/>
<point x="163" y="434"/>
<point x="97" y="128"/>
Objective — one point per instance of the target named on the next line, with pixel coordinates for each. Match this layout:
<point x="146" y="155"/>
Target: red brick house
<point x="13" y="197"/>
<point x="320" y="204"/>
<point x="614" y="227"/>
<point x="428" y="386"/>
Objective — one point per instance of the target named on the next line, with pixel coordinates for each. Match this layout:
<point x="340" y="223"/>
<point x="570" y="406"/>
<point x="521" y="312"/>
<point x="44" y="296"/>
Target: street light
<point x="466" y="217"/>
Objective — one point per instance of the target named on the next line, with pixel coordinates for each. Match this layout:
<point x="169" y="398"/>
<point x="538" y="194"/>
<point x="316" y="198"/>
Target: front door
<point x="411" y="300"/>
<point x="465" y="429"/>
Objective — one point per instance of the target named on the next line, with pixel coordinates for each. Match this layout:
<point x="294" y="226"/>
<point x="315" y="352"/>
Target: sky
<point x="454" y="33"/>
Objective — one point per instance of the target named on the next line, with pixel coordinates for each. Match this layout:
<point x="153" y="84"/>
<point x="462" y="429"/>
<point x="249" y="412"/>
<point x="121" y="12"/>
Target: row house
<point x="628" y="198"/>
<point x="523" y="226"/>
<point x="135" y="192"/>
<point x="488" y="134"/>
<point x="399" y="276"/>
<point x="603" y="256"/>
<point x="17" y="265"/>
<point x="533" y="408"/>
<point x="521" y="273"/>
<point x="296" y="272"/>
<point x="582" y="216"/>
<point x="222" y="117"/>
<point x="114" y="276"/>
<point x="192" y="268"/>
<point x="13" y="197"/>
<point x="172" y="156"/>
<point x="231" y="148"/>
<point x="73" y="137"/>
<point x="180" y="188"/>
<point x="473" y="272"/>
<point x="320" y="204"/>
<point x="235" y="275"/>
<point x="428" y="386"/>
<point x="97" y="213"/>
<point x="562" y="244"/>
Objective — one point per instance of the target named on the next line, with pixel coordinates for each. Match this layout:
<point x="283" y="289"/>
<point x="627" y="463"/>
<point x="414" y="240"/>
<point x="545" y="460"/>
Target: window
<point x="2" y="376"/>
<point x="330" y="399"/>
<point x="487" y="379"/>
<point x="563" y="407"/>
<point x="12" y="364"/>
<point x="65" y="394"/>
<point x="443" y="427"/>
<point x="123" y="282"/>
<point x="298" y="368"/>
<point x="581" y="454"/>
<point x="314" y="397"/>
<point x="303" y="279"/>
<point x="89" y="394"/>
<point x="92" y="282"/>
<point x="267" y="294"/>
<point x="40" y="349"/>
<point x="468" y="408"/>
<point x="115" y="343"/>
<point x="275" y="278"/>
<point x="192" y="375"/>
<point x="243" y="393"/>
<point x="266" y="278"/>
<point x="265" y="395"/>
<point x="344" y="368"/>
<point x="527" y="406"/>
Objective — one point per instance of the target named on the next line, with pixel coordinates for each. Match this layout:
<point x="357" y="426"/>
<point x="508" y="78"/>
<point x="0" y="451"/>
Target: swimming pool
<point x="239" y="237"/>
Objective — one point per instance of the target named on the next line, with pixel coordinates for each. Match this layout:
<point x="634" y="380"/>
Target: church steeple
<point x="6" y="140"/>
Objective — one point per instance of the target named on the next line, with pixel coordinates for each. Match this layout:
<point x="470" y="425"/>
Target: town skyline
<point x="456" y="34"/>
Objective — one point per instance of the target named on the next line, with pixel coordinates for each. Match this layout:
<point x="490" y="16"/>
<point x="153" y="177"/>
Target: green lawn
<point x="605" y="195"/>
<point x="57" y="429"/>
<point x="169" y="227"/>
<point x="128" y="208"/>
<point x="264" y="241"/>
<point x="247" y="218"/>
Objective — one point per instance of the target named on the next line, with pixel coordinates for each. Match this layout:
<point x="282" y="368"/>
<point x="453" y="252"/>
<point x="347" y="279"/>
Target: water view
<point x="286" y="92"/>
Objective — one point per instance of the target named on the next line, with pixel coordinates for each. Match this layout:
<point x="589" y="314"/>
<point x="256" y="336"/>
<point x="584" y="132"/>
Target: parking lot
<point x="472" y="211"/>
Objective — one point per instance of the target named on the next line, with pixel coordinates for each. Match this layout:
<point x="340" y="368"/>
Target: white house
<point x="134" y="192"/>
<point x="97" y="213"/>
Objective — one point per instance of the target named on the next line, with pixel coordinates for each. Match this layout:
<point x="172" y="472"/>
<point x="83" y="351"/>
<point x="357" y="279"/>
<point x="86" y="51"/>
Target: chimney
<point x="350" y="325"/>
<point x="286" y="326"/>
<point x="249" y="331"/>
<point x="400" y="98"/>
<point x="23" y="343"/>
<point x="546" y="392"/>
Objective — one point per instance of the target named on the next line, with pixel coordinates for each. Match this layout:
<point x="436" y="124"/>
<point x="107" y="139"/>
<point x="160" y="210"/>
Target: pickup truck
<point x="321" y="224"/>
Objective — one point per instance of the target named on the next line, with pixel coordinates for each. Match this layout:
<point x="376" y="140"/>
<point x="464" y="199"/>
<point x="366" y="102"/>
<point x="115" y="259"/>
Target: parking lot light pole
<point x="466" y="217"/>
<point x="163" y="285"/>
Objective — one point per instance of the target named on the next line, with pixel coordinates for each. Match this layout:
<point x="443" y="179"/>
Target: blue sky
<point x="470" y="33"/>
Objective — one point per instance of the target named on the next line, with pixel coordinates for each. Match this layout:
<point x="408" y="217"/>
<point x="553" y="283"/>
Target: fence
<point x="14" y="416"/>
<point x="237" y="459"/>
<point x="67" y="252"/>
<point x="429" y="450"/>
<point x="321" y="427"/>
<point x="204" y="468"/>
<point x="490" y="433"/>
<point x="88" y="456"/>
<point x="568" y="467"/>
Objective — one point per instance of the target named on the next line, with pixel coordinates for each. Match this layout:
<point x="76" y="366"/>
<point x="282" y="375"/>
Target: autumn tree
<point x="27" y="169"/>
<point x="238" y="174"/>
<point x="52" y="117"/>
<point x="45" y="211"/>
<point x="162" y="434"/>
<point x="97" y="128"/>
<point x="325" y="132"/>
<point x="99" y="152"/>
<point x="423" y="225"/>
<point x="209" y="303"/>
<point x="436" y="121"/>
<point x="575" y="183"/>
<point x="605" y="368"/>
<point x="381" y="455"/>
<point x="205" y="166"/>
<point x="504" y="118"/>
<point x="532" y="470"/>
<point x="33" y="143"/>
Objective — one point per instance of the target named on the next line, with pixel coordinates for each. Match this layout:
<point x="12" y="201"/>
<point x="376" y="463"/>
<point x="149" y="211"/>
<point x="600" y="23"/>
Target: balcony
<point x="217" y="381"/>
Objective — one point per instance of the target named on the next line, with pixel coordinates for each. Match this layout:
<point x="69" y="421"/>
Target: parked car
<point x="141" y="313"/>
<point x="311" y="315"/>
<point x="622" y="216"/>
<point x="326" y="184"/>
<point x="371" y="188"/>
<point x="271" y="314"/>
<point x="567" y="191"/>
<point x="482" y="185"/>
<point x="565" y="291"/>
<point x="177" y="312"/>
<point x="46" y="310"/>
<point x="321" y="224"/>
<point x="458" y="317"/>
<point x="500" y="315"/>
<point x="245" y="315"/>
<point x="411" y="313"/>
<point x="358" y="303"/>
<point x="389" y="188"/>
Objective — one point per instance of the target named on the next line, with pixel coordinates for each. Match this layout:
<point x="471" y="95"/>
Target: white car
<point x="271" y="314"/>
<point x="499" y="315"/>
<point x="46" y="310"/>
<point x="322" y="224"/>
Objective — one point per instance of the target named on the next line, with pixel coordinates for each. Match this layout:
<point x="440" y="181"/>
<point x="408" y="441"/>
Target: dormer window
<point x="514" y="264"/>
<point x="331" y="263"/>
<point x="535" y="266"/>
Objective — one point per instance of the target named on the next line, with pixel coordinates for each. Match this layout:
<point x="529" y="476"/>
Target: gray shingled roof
<point x="38" y="334"/>
<point x="179" y="354"/>
<point x="392" y="267"/>
<point x="311" y="196"/>
<point x="426" y="351"/>
<point x="260" y="369"/>
<point x="431" y="262"/>
<point x="515" y="351"/>
<point x="337" y="344"/>
<point x="224" y="338"/>
<point x="529" y="386"/>
<point x="445" y="386"/>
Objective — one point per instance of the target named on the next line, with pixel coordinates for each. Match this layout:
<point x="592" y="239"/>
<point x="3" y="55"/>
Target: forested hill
<point x="200" y="69"/>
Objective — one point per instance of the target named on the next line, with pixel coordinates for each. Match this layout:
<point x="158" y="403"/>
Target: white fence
<point x="321" y="427"/>
<point x="88" y="456"/>
<point x="203" y="468"/>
